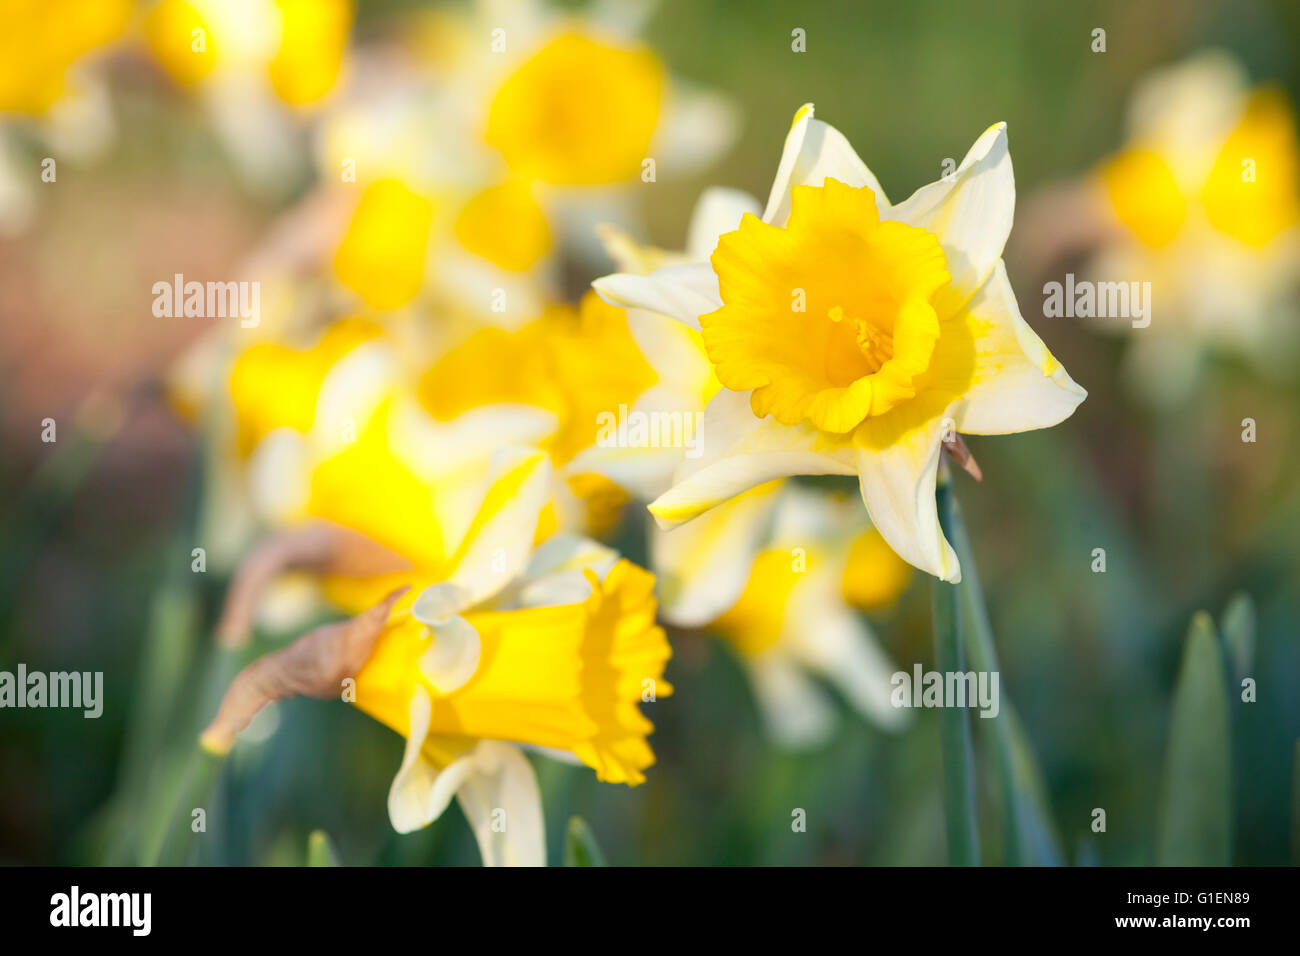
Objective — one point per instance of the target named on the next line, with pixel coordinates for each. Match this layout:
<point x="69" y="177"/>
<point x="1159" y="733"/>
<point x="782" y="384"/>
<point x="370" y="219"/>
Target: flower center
<point x="830" y="319"/>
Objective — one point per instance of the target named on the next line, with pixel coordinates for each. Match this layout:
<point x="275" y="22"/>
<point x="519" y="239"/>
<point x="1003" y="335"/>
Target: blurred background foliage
<point x="96" y="531"/>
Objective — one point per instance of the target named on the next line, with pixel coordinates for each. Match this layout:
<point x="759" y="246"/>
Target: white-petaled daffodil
<point x="852" y="336"/>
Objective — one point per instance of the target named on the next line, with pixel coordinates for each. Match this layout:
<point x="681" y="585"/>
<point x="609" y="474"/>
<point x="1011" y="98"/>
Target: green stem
<point x="172" y="844"/>
<point x="984" y="657"/>
<point x="955" y="732"/>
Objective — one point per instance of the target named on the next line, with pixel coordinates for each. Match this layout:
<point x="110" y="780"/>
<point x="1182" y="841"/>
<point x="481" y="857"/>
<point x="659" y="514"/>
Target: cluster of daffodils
<point x="429" y="435"/>
<point x="473" y="462"/>
<point x="403" y="427"/>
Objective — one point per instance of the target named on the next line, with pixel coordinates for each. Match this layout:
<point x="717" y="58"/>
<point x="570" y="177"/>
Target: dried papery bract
<point x="320" y="547"/>
<point x="315" y="665"/>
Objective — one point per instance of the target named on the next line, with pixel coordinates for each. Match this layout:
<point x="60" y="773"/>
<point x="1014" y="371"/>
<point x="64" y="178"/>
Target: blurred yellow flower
<point x="43" y="40"/>
<point x="579" y="111"/>
<point x="1203" y="202"/>
<point x="297" y="45"/>
<point x="874" y="575"/>
<point x="382" y="254"/>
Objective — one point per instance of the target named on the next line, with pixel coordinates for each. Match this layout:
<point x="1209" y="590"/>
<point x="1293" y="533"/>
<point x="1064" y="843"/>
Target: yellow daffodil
<point x="255" y="63"/>
<point x="1203" y="202"/>
<point x="49" y="88"/>
<point x="781" y="573"/>
<point x="851" y="336"/>
<point x="544" y="122"/>
<point x="490" y="645"/>
<point x="551" y="649"/>
<point x="313" y="423"/>
<point x="575" y="363"/>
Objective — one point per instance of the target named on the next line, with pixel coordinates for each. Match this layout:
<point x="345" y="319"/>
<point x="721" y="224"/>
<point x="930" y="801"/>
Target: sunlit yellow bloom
<point x="852" y="335"/>
<point x="313" y="40"/>
<point x="297" y="46"/>
<point x="505" y="225"/>
<point x="1246" y="179"/>
<point x="575" y="362"/>
<point x="273" y="386"/>
<point x="578" y="111"/>
<point x="863" y="330"/>
<point x="568" y="677"/>
<point x="790" y="620"/>
<point x="383" y="252"/>
<point x="874" y="575"/>
<point x="1203" y="203"/>
<point x="42" y="40"/>
<point x="553" y="649"/>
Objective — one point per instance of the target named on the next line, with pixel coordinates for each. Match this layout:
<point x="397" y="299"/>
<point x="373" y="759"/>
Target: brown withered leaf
<point x="321" y="548"/>
<point x="315" y="665"/>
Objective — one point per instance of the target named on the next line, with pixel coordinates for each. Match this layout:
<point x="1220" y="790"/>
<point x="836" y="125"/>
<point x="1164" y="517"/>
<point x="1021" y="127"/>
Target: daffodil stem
<point x="175" y="840"/>
<point x="978" y="634"/>
<point x="955" y="731"/>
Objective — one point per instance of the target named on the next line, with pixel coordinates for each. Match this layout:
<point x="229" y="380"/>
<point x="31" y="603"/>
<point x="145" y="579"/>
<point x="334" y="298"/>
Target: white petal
<point x="646" y="473"/>
<point x="795" y="710"/>
<point x="349" y="395"/>
<point x="739" y="451"/>
<point x="971" y="215"/>
<point x="440" y="601"/>
<point x="897" y="479"/>
<point x="1017" y="384"/>
<point x="420" y="791"/>
<point x="500" y="538"/>
<point x="570" y="552"/>
<point x="502" y="802"/>
<point x="553" y="590"/>
<point x="557" y="573"/>
<point x="831" y="639"/>
<point x="279" y="475"/>
<point x="813" y="151"/>
<point x="683" y="292"/>
<point x="453" y="655"/>
<point x="698" y="127"/>
<point x="702" y="567"/>
<point x="678" y="357"/>
<point x="719" y="210"/>
<point x="436" y="449"/>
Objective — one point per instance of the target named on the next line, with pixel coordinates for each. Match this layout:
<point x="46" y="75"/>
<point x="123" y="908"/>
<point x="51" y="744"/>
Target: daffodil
<point x="543" y="123"/>
<point x="782" y="573"/>
<point x="489" y="645"/>
<point x="259" y="65"/>
<point x="1203" y="202"/>
<point x="49" y="87"/>
<point x="580" y="364"/>
<point x="852" y="336"/>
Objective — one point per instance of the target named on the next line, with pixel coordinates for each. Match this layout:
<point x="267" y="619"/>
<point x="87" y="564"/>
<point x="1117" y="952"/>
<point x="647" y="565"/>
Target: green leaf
<point x="1195" y="822"/>
<point x="320" y="850"/>
<point x="1028" y="837"/>
<point x="1239" y="634"/>
<point x="580" y="847"/>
